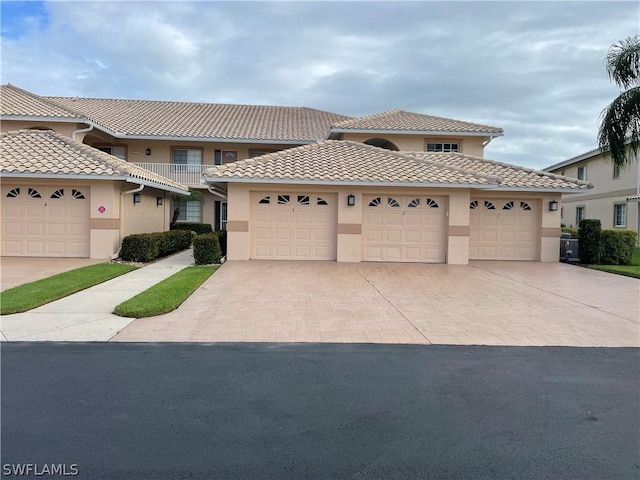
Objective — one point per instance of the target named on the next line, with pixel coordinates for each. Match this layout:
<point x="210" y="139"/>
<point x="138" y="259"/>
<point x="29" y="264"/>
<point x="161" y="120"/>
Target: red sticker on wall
<point x="102" y="209"/>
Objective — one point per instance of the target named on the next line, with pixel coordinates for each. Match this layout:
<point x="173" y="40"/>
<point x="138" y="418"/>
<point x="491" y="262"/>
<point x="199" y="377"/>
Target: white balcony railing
<point x="181" y="173"/>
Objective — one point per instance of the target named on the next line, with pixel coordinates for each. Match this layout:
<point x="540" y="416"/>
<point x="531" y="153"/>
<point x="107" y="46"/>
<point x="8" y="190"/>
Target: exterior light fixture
<point x="148" y="151"/>
<point x="137" y="198"/>
<point x="553" y="206"/>
<point x="159" y="201"/>
<point x="351" y="200"/>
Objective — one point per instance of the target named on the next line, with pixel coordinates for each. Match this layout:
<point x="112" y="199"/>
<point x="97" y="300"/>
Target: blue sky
<point x="534" y="68"/>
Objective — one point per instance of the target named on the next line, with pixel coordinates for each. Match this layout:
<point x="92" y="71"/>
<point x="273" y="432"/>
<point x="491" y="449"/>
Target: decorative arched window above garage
<point x="473" y="205"/>
<point x="508" y="206"/>
<point x="414" y="203"/>
<point x="488" y="205"/>
<point x="376" y="202"/>
<point x="265" y="200"/>
<point x="77" y="194"/>
<point x="525" y="206"/>
<point x="392" y="202"/>
<point x="432" y="203"/>
<point x="33" y="193"/>
<point x="58" y="193"/>
<point x="14" y="193"/>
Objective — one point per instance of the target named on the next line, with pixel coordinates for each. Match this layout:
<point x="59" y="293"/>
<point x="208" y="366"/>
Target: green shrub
<point x="222" y="238"/>
<point x="573" y="231"/>
<point x="206" y="249"/>
<point x="590" y="241"/>
<point x="199" y="228"/>
<point x="144" y="247"/>
<point x="618" y="247"/>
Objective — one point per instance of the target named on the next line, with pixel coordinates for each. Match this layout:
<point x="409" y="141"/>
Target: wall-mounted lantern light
<point x="553" y="206"/>
<point x="351" y="200"/>
<point x="148" y="151"/>
<point x="137" y="198"/>
<point x="159" y="201"/>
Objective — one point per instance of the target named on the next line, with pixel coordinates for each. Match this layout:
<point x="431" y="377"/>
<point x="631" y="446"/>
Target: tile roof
<point x="44" y="152"/>
<point x="511" y="176"/>
<point x="399" y="120"/>
<point x="145" y="118"/>
<point x="342" y="161"/>
<point x="16" y="102"/>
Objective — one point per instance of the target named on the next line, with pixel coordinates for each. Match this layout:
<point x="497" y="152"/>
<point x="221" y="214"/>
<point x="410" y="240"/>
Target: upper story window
<point x="443" y="147"/>
<point x="620" y="215"/>
<point x="581" y="213"/>
<point x="616" y="171"/>
<point x="582" y="172"/>
<point x="119" y="152"/>
<point x="259" y="152"/>
<point x="185" y="156"/>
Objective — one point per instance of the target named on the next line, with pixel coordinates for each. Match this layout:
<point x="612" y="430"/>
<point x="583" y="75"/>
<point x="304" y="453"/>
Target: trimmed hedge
<point x="590" y="241"/>
<point x="617" y="247"/>
<point x="199" y="228"/>
<point x="206" y="249"/>
<point x="144" y="247"/>
<point x="573" y="231"/>
<point x="222" y="238"/>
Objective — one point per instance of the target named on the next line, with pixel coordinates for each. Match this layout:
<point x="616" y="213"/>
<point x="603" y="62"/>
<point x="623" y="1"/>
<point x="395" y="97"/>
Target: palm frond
<point x="619" y="131"/>
<point x="623" y="62"/>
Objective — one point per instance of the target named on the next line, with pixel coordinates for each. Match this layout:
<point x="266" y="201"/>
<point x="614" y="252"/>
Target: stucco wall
<point x="146" y="216"/>
<point x="63" y="128"/>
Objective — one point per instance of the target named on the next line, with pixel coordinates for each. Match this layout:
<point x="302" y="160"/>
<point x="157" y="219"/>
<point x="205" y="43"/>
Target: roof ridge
<point x="367" y="117"/>
<point x="45" y="100"/>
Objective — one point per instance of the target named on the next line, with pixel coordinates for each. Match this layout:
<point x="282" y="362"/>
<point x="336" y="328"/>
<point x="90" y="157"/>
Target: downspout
<point x="135" y="190"/>
<point x="84" y="130"/>
<point x="219" y="193"/>
<point x="487" y="142"/>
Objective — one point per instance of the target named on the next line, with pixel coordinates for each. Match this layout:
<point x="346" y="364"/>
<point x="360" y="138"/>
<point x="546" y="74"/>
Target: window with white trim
<point x="443" y="147"/>
<point x="581" y="213"/>
<point x="620" y="215"/>
<point x="187" y="160"/>
<point x="582" y="172"/>
<point x="189" y="210"/>
<point x="119" y="152"/>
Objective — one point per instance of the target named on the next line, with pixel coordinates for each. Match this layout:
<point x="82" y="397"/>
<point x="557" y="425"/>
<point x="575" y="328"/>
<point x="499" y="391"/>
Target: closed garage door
<point x="45" y="221"/>
<point x="294" y="226"/>
<point x="404" y="229"/>
<point x="503" y="230"/>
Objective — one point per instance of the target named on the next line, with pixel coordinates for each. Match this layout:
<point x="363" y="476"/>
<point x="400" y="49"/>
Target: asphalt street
<point x="311" y="411"/>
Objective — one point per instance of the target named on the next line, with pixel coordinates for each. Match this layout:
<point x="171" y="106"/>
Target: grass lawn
<point x="31" y="295"/>
<point x="628" y="270"/>
<point x="167" y="295"/>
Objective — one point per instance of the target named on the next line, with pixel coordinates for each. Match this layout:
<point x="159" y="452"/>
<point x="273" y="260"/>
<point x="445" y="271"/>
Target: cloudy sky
<point x="533" y="68"/>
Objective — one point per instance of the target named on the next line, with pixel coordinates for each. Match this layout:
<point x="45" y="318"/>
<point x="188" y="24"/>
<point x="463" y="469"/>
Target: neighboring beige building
<point x="614" y="197"/>
<point x="300" y="183"/>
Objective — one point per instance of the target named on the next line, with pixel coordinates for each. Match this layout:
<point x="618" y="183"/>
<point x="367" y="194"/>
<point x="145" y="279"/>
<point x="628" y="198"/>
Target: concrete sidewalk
<point x="86" y="315"/>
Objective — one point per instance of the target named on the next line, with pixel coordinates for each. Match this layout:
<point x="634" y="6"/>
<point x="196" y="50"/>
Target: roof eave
<point x="448" y="133"/>
<point x="37" y="118"/>
<point x="178" y="138"/>
<point x="359" y="183"/>
<point x="534" y="189"/>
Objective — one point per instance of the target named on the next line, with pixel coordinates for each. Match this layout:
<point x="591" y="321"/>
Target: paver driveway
<point x="490" y="303"/>
<point x="16" y="271"/>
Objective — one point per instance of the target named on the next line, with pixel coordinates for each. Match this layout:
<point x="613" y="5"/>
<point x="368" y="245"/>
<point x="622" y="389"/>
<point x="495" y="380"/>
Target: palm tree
<point x="620" y="121"/>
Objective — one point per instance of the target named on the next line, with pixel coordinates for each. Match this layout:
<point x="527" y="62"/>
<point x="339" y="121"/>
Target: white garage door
<point x="45" y="222"/>
<point x="294" y="226"/>
<point x="503" y="230"/>
<point x="404" y="229"/>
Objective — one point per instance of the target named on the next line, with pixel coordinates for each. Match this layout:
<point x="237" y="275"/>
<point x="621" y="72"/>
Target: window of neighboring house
<point x="189" y="210"/>
<point x="119" y="152"/>
<point x="582" y="172"/>
<point x="620" y="215"/>
<point x="443" y="147"/>
<point x="616" y="171"/>
<point x="580" y="214"/>
<point x="187" y="159"/>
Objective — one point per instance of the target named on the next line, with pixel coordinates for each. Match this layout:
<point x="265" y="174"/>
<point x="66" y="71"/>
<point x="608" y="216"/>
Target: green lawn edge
<point x="35" y="294"/>
<point x="632" y="270"/>
<point x="166" y="296"/>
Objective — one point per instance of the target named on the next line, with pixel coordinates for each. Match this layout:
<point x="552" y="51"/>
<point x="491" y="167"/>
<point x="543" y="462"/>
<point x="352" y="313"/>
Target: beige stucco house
<point x="614" y="199"/>
<point x="299" y="183"/>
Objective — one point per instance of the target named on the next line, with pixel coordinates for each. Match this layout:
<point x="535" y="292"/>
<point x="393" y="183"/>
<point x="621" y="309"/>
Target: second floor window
<point x="191" y="157"/>
<point x="582" y="173"/>
<point x="120" y="152"/>
<point x="443" y="147"/>
<point x="581" y="213"/>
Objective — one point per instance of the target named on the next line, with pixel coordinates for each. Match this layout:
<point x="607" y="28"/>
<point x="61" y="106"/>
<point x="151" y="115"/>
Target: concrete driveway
<point x="19" y="270"/>
<point x="485" y="303"/>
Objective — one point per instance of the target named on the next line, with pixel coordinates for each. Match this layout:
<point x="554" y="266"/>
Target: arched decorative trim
<point x="376" y="202"/>
<point x="322" y="201"/>
<point x="77" y="194"/>
<point x="58" y="193"/>
<point x="283" y="199"/>
<point x="392" y="202"/>
<point x="382" y="143"/>
<point x="33" y="193"/>
<point x="414" y="203"/>
<point x="303" y="199"/>
<point x="265" y="200"/>
<point x="508" y="206"/>
<point x="473" y="205"/>
<point x="432" y="203"/>
<point x="14" y="192"/>
<point x="488" y="205"/>
<point x="524" y="206"/>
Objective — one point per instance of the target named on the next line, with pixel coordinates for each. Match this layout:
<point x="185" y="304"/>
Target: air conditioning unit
<point x="569" y="250"/>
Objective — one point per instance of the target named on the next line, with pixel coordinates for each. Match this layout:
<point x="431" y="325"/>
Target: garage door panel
<point x="283" y="234"/>
<point x="34" y="248"/>
<point x="34" y="229"/>
<point x="56" y="230"/>
<point x="508" y="232"/>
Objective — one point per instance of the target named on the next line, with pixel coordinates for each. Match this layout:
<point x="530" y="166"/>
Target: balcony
<point x="188" y="175"/>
